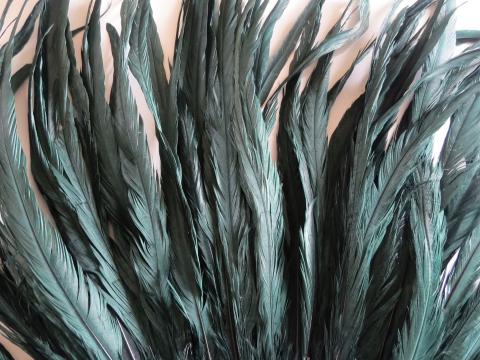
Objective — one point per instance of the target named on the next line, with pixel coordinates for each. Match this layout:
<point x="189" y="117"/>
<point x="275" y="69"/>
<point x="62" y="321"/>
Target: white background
<point x="166" y="15"/>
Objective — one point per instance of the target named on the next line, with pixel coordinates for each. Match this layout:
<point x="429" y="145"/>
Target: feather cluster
<point x="364" y="245"/>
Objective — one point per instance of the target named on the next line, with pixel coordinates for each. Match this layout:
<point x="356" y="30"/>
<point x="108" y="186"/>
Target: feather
<point x="4" y="354"/>
<point x="56" y="278"/>
<point x="291" y="162"/>
<point x="420" y="338"/>
<point x="431" y="47"/>
<point x="146" y="62"/>
<point x="336" y="38"/>
<point x="265" y="34"/>
<point x="460" y="279"/>
<point x="459" y="182"/>
<point x="17" y="322"/>
<point x="467" y="36"/>
<point x="307" y="135"/>
<point x="187" y="282"/>
<point x="305" y="132"/>
<point x="20" y="323"/>
<point x="4" y="15"/>
<point x="111" y="194"/>
<point x="358" y="246"/>
<point x="462" y="339"/>
<point x="260" y="182"/>
<point x="370" y="206"/>
<point x="235" y="247"/>
<point x="384" y="295"/>
<point x="57" y="163"/>
<point x="19" y="78"/>
<point x="150" y="253"/>
<point x="196" y="195"/>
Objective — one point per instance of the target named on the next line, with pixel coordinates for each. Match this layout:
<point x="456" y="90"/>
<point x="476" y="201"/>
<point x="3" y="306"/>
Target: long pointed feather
<point x="53" y="273"/>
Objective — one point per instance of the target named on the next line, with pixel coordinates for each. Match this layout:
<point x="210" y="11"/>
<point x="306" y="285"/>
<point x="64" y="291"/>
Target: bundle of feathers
<point x="364" y="245"/>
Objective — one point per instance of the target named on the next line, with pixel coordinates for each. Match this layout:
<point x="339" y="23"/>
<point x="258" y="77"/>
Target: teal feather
<point x="261" y="184"/>
<point x="420" y="337"/>
<point x="73" y="300"/>
<point x="361" y="245"/>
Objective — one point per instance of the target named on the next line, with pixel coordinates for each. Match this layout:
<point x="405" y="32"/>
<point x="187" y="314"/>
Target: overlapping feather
<point x="228" y="253"/>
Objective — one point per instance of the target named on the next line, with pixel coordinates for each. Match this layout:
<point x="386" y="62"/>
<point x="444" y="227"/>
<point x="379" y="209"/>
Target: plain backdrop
<point x="166" y="14"/>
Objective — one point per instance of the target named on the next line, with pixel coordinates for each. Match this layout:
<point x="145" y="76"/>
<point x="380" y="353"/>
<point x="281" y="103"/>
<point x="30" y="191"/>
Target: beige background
<point x="166" y="14"/>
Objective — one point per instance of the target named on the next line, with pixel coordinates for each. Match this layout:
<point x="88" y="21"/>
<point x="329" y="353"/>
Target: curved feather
<point x="55" y="276"/>
<point x="463" y="336"/>
<point x="420" y="338"/>
<point x="261" y="183"/>
<point x="58" y="163"/>
<point x="151" y="252"/>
